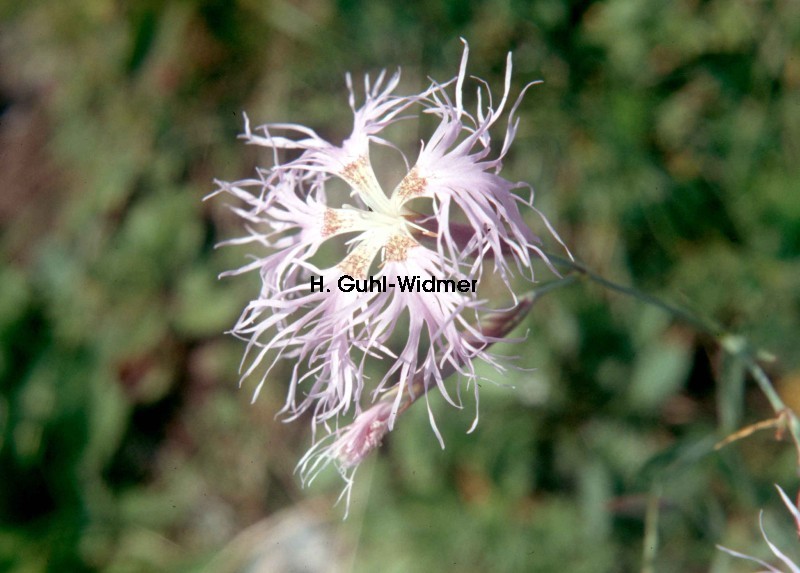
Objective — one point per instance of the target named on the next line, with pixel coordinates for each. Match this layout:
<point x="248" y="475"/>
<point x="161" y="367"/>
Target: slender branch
<point x="733" y="344"/>
<point x="650" y="545"/>
<point x="685" y="315"/>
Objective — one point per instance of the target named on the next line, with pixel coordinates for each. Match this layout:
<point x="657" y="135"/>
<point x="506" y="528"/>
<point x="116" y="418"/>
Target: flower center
<point x="387" y="226"/>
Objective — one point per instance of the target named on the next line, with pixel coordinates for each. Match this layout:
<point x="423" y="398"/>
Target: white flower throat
<point x="385" y="227"/>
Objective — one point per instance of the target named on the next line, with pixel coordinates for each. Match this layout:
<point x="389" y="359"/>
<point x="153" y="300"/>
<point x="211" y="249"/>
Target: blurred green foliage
<point x="663" y="145"/>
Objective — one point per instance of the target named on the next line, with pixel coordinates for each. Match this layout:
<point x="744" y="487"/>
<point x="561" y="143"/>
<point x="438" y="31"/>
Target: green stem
<point x="685" y="315"/>
<point x="733" y="344"/>
<point x="650" y="546"/>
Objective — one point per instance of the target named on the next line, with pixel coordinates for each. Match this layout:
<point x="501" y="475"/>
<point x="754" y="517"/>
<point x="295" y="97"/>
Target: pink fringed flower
<point x="330" y="334"/>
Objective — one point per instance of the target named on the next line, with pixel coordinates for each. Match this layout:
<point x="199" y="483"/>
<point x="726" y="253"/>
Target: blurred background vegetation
<point x="664" y="146"/>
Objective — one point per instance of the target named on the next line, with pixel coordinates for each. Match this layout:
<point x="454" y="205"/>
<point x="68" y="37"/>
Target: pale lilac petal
<point x="456" y="169"/>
